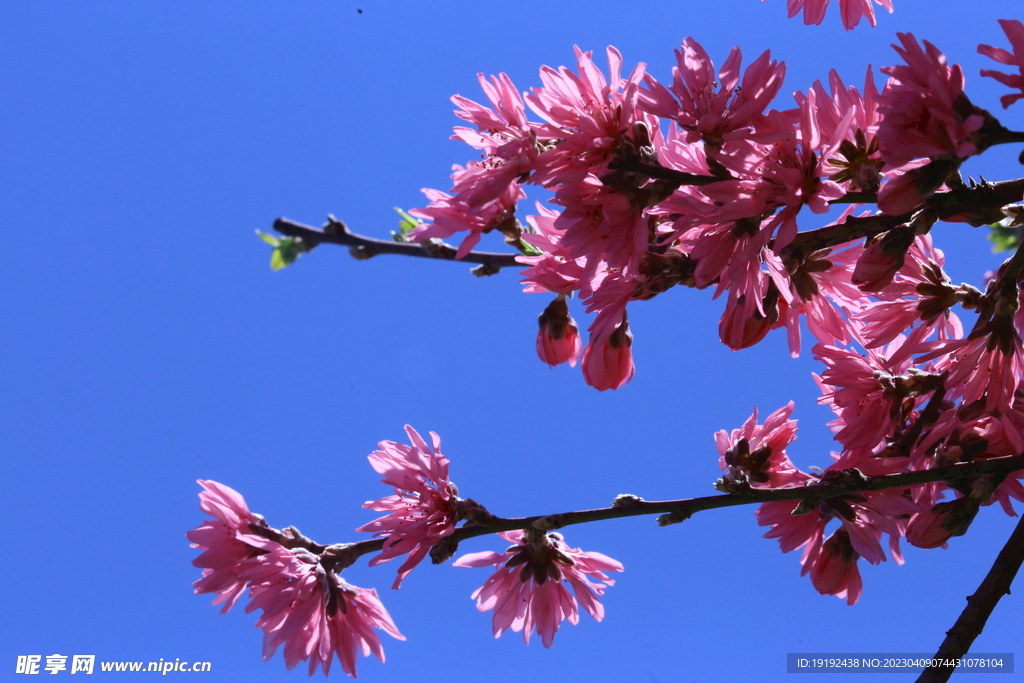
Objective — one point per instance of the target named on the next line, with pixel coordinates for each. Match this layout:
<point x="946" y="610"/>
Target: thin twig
<point x="336" y="232"/>
<point x="979" y="607"/>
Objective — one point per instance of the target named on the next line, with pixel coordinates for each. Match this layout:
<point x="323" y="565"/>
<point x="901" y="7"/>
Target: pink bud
<point x="558" y="340"/>
<point x="882" y="257"/>
<point x="900" y="195"/>
<point x="932" y="528"/>
<point x="610" y="366"/>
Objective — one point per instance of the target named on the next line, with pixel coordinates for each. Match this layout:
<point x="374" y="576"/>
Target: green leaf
<point x="286" y="249"/>
<point x="1003" y="237"/>
<point x="405" y="226"/>
<point x="528" y="249"/>
<point x="269" y="239"/>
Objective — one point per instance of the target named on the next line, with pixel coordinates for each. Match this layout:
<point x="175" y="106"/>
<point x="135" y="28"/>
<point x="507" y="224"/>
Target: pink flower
<point x="852" y="11"/>
<point x="227" y="542"/>
<point x="558" y="340"/>
<point x="306" y="607"/>
<point x="608" y="363"/>
<point x="529" y="592"/>
<point x="1014" y="30"/>
<point x="926" y="113"/>
<point x="882" y="257"/>
<point x="932" y="528"/>
<point x="586" y="113"/>
<point x="714" y="108"/>
<point x="451" y="215"/>
<point x="424" y="507"/>
<point x="756" y="453"/>
<point x="507" y="139"/>
<point x="314" y="613"/>
<point x="834" y="569"/>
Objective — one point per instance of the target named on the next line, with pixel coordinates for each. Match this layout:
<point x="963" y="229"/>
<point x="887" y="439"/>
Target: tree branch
<point x="671" y="511"/>
<point x="362" y="248"/>
<point x="979" y="606"/>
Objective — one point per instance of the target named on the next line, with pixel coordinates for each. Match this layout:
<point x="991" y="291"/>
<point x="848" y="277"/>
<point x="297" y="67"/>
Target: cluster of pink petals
<point x="1014" y="30"/>
<point x="313" y="613"/>
<point x="609" y="144"/>
<point x="852" y="11"/>
<point x="309" y="610"/>
<point x="529" y="591"/>
<point x="756" y="453"/>
<point x="832" y="561"/>
<point x="423" y="508"/>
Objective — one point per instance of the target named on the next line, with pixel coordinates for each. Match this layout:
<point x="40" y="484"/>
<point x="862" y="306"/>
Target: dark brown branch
<point x="975" y="203"/>
<point x="336" y="232"/>
<point x="979" y="606"/>
<point x="674" y="511"/>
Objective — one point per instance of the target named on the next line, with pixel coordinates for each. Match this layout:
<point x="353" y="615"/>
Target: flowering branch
<point x="979" y="606"/>
<point x="339" y="556"/>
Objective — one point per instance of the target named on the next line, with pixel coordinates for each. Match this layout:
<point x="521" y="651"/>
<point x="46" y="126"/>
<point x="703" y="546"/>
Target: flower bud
<point x="932" y="528"/>
<point x="883" y="256"/>
<point x="558" y="340"/>
<point x="611" y="365"/>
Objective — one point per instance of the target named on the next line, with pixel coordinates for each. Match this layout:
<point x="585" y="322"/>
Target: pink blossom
<point x="314" y="613"/>
<point x="832" y="563"/>
<point x="852" y="11"/>
<point x="882" y="257"/>
<point x="306" y="607"/>
<point x="933" y="527"/>
<point x="424" y="507"/>
<point x="587" y="113"/>
<point x="451" y="215"/>
<point x="985" y="365"/>
<point x="602" y="226"/>
<point x="1014" y="30"/>
<point x="926" y="113"/>
<point x="227" y="542"/>
<point x="529" y="591"/>
<point x="714" y="108"/>
<point x="920" y="292"/>
<point x="507" y="139"/>
<point x="558" y="340"/>
<point x="608" y="363"/>
<point x="834" y="569"/>
<point x="756" y="453"/>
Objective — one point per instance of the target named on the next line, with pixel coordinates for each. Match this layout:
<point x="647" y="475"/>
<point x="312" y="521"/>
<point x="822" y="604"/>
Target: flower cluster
<point x="316" y="615"/>
<point x="307" y="608"/>
<point x="699" y="182"/>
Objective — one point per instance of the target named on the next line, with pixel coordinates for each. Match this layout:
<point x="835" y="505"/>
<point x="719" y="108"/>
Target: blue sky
<point x="146" y="343"/>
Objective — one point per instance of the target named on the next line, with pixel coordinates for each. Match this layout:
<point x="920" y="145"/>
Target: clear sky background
<point x="145" y="342"/>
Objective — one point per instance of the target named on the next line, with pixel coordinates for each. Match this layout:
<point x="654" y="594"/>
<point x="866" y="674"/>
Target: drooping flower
<point x="1014" y="30"/>
<point x="608" y="363"/>
<point x="852" y="11"/>
<point x="558" y="340"/>
<point x="834" y="570"/>
<point x="306" y="607"/>
<point x="529" y="592"/>
<point x="314" y="613"/>
<point x="423" y="509"/>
